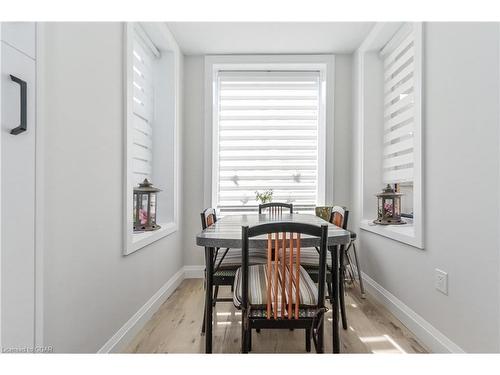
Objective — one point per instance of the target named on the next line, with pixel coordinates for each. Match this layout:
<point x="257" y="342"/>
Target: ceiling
<point x="203" y="38"/>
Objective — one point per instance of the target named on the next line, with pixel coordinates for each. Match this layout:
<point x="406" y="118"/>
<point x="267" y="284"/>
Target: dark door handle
<point x="23" y="124"/>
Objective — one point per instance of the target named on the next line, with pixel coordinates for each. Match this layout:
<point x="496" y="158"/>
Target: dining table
<point x="226" y="233"/>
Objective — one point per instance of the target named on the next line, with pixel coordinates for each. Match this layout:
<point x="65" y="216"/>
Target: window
<point x="389" y="117"/>
<point x="143" y="108"/>
<point x="399" y="114"/>
<point x="152" y="66"/>
<point x="269" y="135"/>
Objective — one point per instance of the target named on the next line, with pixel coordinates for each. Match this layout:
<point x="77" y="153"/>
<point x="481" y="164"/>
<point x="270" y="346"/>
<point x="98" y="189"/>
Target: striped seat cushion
<point x="309" y="257"/>
<point x="233" y="257"/>
<point x="257" y="288"/>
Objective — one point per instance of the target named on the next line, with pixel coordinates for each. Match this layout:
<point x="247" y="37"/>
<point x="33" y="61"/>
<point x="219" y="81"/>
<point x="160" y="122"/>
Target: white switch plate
<point x="441" y="281"/>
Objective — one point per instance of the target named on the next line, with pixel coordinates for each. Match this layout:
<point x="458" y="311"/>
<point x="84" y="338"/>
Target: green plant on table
<point x="265" y="197"/>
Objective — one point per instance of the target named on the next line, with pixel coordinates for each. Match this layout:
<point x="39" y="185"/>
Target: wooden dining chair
<point x="310" y="260"/>
<point x="276" y="208"/>
<point x="226" y="262"/>
<point x="280" y="294"/>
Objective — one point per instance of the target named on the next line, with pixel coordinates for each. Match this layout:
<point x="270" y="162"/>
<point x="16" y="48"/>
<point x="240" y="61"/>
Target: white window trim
<point x="133" y="242"/>
<point x="325" y="64"/>
<point x="412" y="233"/>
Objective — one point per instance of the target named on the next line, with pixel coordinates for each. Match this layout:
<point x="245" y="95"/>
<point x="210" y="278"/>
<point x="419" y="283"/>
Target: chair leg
<point x="320" y="347"/>
<point x="249" y="339"/>
<point x="358" y="270"/>
<point x="244" y="348"/>
<point x="205" y="305"/>
<point x="335" y="302"/>
<point x="308" y="340"/>
<point x="330" y="289"/>
<point x="342" y="299"/>
<point x="342" y="292"/>
<point x="204" y="318"/>
<point x="216" y="293"/>
<point x="350" y="270"/>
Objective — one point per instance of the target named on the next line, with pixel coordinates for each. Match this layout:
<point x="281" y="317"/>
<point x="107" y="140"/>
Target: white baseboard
<point x="422" y="329"/>
<point x="128" y="331"/>
<point x="194" y="272"/>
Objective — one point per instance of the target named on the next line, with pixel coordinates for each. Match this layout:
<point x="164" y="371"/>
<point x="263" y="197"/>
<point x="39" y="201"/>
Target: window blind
<point x="267" y="137"/>
<point x="399" y="110"/>
<point x="143" y="101"/>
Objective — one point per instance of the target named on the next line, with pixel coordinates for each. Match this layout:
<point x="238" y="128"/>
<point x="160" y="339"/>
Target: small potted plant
<point x="265" y="197"/>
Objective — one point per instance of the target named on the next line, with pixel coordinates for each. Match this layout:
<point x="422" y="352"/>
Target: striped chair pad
<point x="309" y="257"/>
<point x="257" y="288"/>
<point x="233" y="257"/>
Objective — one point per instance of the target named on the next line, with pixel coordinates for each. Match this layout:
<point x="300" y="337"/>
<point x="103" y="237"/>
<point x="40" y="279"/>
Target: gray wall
<point x="461" y="172"/>
<point x="90" y="288"/>
<point x="194" y="146"/>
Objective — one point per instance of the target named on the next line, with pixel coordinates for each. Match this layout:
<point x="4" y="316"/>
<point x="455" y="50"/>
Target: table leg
<point x="209" y="259"/>
<point x="335" y="302"/>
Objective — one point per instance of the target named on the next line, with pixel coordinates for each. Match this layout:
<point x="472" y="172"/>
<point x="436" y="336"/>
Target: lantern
<point x="145" y="207"/>
<point x="389" y="207"/>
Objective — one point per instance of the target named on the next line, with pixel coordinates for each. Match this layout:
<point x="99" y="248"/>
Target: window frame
<point x="325" y="64"/>
<point x="135" y="241"/>
<point x="413" y="233"/>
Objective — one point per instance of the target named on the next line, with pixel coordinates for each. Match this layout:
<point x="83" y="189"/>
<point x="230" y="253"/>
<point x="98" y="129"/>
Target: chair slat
<point x="269" y="270"/>
<point x="275" y="304"/>
<point x="297" y="288"/>
<point x="210" y="219"/>
<point x="283" y="278"/>
<point x="290" y="282"/>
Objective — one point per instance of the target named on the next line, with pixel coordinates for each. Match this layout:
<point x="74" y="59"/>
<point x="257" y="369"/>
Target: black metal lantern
<point x="389" y="207"/>
<point x="145" y="207"/>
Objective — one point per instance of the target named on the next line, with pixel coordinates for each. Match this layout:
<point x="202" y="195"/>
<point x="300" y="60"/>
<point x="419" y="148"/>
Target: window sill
<point x="142" y="239"/>
<point x="404" y="233"/>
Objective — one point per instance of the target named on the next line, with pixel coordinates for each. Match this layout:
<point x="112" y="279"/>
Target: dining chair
<point x="280" y="294"/>
<point x="354" y="267"/>
<point x="275" y="208"/>
<point x="310" y="260"/>
<point x="226" y="262"/>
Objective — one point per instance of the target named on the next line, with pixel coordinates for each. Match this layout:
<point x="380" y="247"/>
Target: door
<point x="17" y="304"/>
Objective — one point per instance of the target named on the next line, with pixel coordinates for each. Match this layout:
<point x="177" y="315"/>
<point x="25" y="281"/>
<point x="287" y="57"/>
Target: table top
<point x="226" y="232"/>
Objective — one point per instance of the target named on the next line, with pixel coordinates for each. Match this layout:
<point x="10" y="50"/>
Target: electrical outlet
<point x="441" y="281"/>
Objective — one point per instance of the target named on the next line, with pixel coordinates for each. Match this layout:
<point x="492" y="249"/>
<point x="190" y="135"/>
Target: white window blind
<point x="267" y="137"/>
<point x="399" y="110"/>
<point x="143" y="101"/>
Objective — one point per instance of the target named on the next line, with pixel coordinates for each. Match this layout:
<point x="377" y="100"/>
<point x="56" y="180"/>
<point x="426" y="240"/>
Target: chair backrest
<point x="275" y="208"/>
<point x="339" y="216"/>
<point x="208" y="217"/>
<point x="283" y="265"/>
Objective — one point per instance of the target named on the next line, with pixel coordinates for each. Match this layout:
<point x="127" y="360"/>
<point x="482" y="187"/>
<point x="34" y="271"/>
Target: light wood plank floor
<point x="175" y="328"/>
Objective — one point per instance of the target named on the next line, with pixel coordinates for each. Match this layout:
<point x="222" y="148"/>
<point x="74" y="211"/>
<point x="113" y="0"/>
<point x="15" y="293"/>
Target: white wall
<point x="461" y="184"/>
<point x="194" y="142"/>
<point x="90" y="288"/>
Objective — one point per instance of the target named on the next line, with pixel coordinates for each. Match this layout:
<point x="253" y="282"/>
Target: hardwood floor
<point x="175" y="328"/>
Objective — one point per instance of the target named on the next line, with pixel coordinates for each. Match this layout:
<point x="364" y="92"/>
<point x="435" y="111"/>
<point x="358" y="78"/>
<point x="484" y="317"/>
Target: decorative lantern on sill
<point x="389" y="207"/>
<point x="145" y="207"/>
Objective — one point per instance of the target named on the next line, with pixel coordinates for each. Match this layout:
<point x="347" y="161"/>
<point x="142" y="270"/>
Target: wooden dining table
<point x="226" y="233"/>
